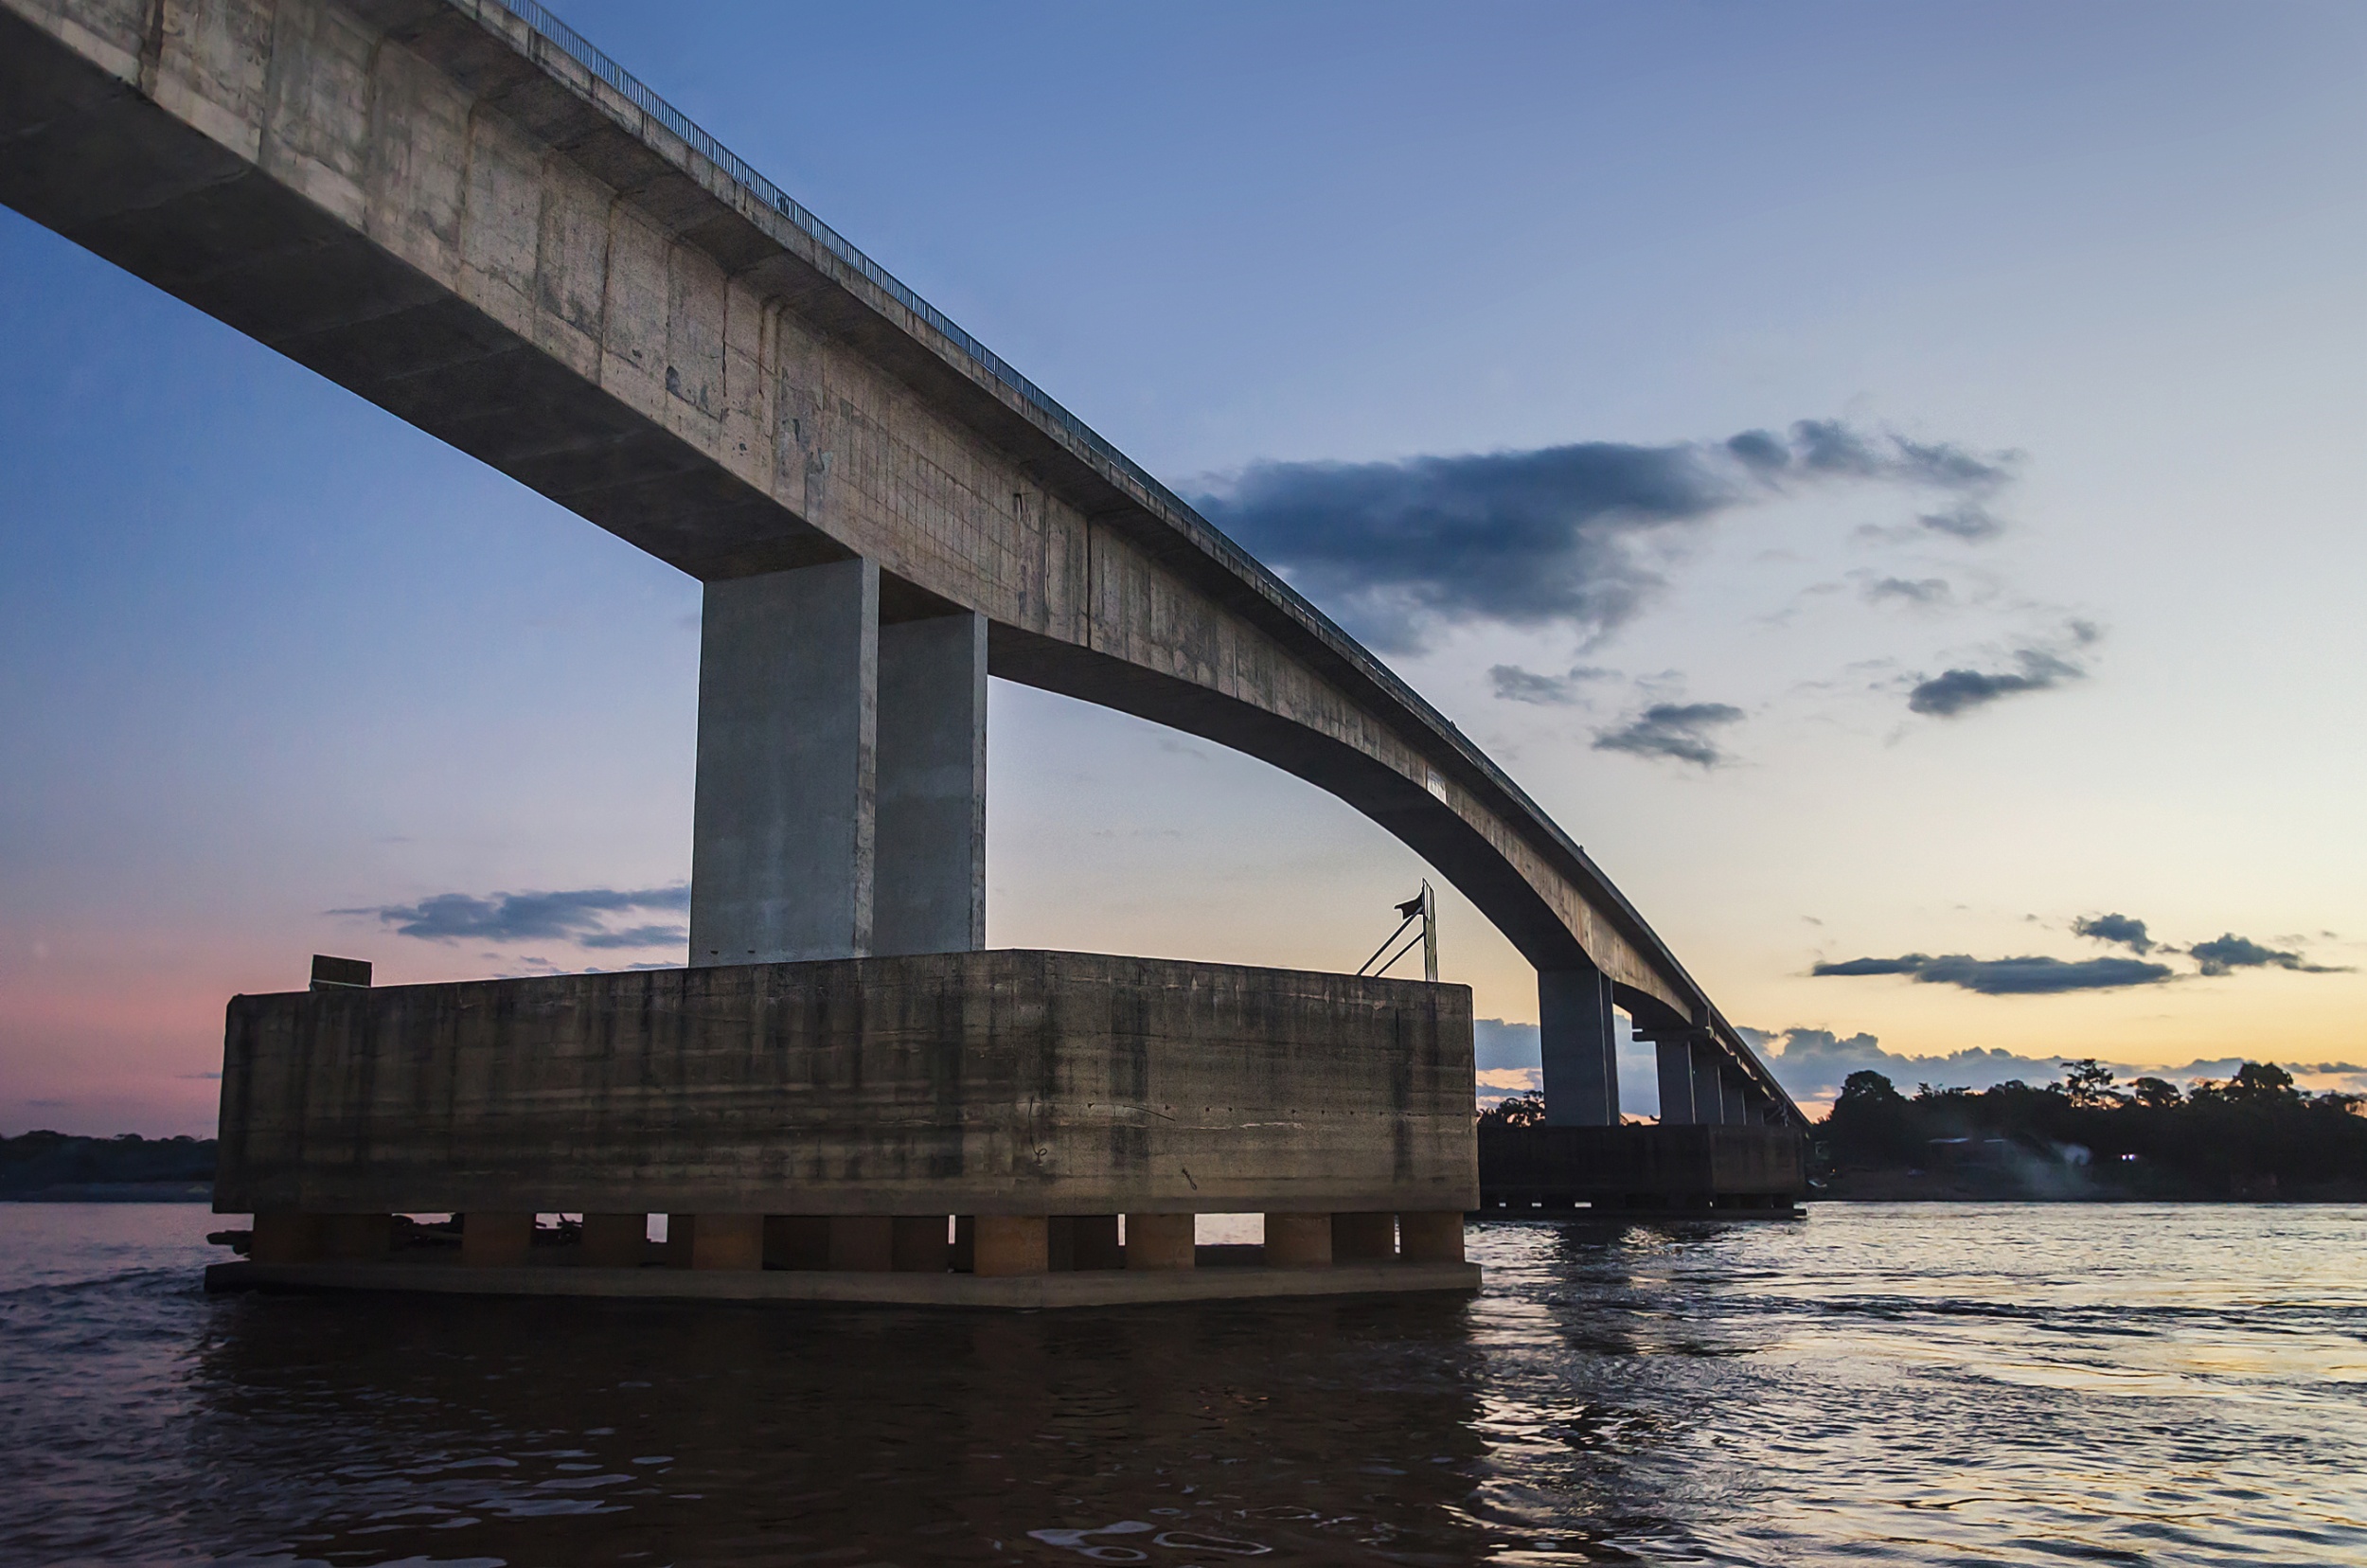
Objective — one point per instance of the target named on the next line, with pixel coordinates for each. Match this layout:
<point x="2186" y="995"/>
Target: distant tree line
<point x="2252" y="1133"/>
<point x="1526" y="1110"/>
<point x="34" y="1161"/>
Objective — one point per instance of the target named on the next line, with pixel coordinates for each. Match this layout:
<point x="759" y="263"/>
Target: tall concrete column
<point x="1675" y="1053"/>
<point x="1581" y="1052"/>
<point x="782" y="852"/>
<point x="1736" y="1097"/>
<point x="1709" y="1084"/>
<point x="928" y="883"/>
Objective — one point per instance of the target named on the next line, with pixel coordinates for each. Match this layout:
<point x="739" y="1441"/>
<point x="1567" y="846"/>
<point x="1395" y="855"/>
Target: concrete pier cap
<point x="828" y="1120"/>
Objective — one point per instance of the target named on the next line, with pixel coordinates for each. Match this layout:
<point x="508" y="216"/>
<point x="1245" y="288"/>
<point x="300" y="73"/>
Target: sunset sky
<point x="1887" y="480"/>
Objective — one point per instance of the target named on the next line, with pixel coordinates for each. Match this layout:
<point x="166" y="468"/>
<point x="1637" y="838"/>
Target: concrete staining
<point x="460" y="218"/>
<point x="956" y="1129"/>
<point x="993" y="1083"/>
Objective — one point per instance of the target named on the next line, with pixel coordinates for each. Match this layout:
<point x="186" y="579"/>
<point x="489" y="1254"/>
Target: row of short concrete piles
<point x="958" y="1260"/>
<point x="991" y="1245"/>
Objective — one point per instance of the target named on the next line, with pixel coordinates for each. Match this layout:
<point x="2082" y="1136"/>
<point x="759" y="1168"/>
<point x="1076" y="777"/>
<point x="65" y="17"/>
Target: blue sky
<point x="266" y="653"/>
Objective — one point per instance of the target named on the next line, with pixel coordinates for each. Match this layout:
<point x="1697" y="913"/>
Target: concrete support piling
<point x="1298" y="1240"/>
<point x="495" y="1240"/>
<point x="1434" y="1238"/>
<point x="286" y="1238"/>
<point x="863" y="1243"/>
<point x="1363" y="1237"/>
<point x="1084" y="1241"/>
<point x="356" y="1237"/>
<point x="1096" y="1241"/>
<point x="728" y="1241"/>
<point x="921" y="1244"/>
<point x="797" y="1241"/>
<point x="1005" y="1244"/>
<point x="615" y="1241"/>
<point x="1160" y="1241"/>
<point x="965" y="1243"/>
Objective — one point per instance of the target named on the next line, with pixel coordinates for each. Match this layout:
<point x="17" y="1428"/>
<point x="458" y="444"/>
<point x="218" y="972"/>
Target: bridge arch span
<point x="460" y="211"/>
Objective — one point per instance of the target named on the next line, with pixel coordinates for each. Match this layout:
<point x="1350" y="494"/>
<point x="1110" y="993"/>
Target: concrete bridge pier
<point x="841" y="800"/>
<point x="1699" y="1086"/>
<point x="1579" y="1046"/>
<point x="1696" y="1087"/>
<point x="1681" y="1098"/>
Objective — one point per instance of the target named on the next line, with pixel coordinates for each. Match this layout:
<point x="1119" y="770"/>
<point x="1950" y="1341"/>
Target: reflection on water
<point x="1919" y="1384"/>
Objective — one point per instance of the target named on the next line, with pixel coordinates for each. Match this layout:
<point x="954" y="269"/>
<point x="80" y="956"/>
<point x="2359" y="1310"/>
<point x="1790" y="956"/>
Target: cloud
<point x="1514" y="685"/>
<point x="2038" y="665"/>
<point x="2038" y="977"/>
<point x="1496" y="1043"/>
<point x="1675" y="732"/>
<point x="580" y="916"/>
<point x="2223" y="955"/>
<point x="2032" y="976"/>
<point x="637" y="936"/>
<point x="1556" y="535"/>
<point x="1831" y="447"/>
<point x="1955" y="691"/>
<point x="1813" y="1063"/>
<point x="1920" y="591"/>
<point x="2128" y="932"/>
<point x="1967" y="519"/>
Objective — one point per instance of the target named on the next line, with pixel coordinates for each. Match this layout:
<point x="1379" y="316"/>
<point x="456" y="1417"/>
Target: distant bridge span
<point x="460" y="211"/>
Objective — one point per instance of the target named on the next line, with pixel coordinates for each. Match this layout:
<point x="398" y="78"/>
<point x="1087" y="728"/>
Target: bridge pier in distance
<point x="1578" y="1047"/>
<point x="1643" y="1171"/>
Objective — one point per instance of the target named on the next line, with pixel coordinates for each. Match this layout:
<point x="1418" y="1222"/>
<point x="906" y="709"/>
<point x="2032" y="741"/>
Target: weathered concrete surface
<point x="930" y="892"/>
<point x="447" y="214"/>
<point x="784" y="831"/>
<point x="842" y="786"/>
<point x="1098" y="1288"/>
<point x="984" y="1083"/>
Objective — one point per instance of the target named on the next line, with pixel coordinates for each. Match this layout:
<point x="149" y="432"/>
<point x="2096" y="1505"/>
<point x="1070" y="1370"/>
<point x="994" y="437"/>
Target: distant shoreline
<point x="115" y="1192"/>
<point x="2041" y="1185"/>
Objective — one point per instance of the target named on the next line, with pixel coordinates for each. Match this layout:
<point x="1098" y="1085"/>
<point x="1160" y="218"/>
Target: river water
<point x="1974" y="1383"/>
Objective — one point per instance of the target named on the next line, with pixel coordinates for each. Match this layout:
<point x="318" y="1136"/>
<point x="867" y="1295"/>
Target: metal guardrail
<point x="581" y="49"/>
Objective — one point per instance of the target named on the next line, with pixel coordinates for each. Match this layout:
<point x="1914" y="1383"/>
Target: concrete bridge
<point x="460" y="211"/>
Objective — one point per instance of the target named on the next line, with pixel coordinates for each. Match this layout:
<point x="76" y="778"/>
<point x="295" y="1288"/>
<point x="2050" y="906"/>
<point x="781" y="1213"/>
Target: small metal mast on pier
<point x="1423" y="907"/>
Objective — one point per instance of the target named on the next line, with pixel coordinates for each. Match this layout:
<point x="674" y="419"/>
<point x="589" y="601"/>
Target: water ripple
<point x="1896" y="1385"/>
